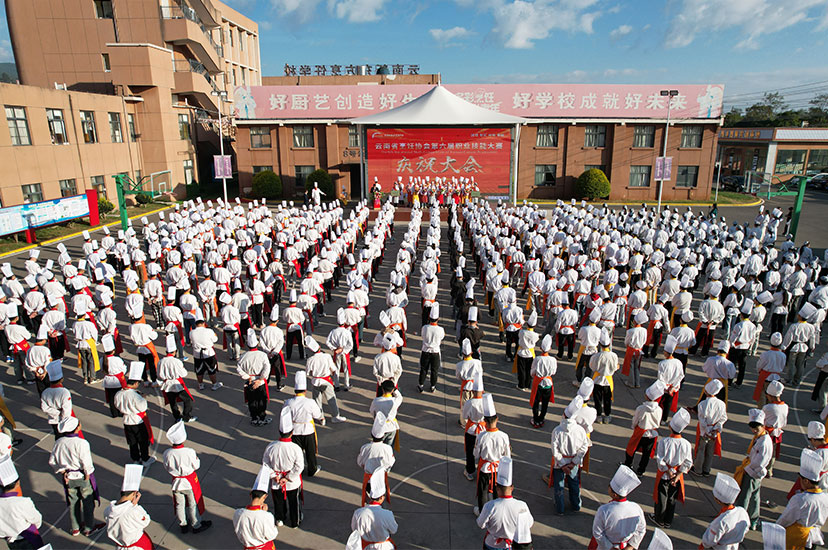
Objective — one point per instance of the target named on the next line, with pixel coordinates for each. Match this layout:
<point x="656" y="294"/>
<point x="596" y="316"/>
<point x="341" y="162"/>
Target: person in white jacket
<point x="569" y="447"/>
<point x="674" y="458"/>
<point x="373" y="525"/>
<point x="620" y="522"/>
<point x="254" y="526"/>
<point x="754" y="467"/>
<point x="19" y="519"/>
<point x="728" y="529"/>
<point x="182" y="464"/>
<point x="286" y="460"/>
<point x="506" y="520"/>
<point x="171" y="373"/>
<point x="645" y="424"/>
<point x="125" y="518"/>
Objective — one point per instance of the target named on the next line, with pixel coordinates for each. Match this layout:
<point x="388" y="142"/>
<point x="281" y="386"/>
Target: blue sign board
<point x="14" y="219"/>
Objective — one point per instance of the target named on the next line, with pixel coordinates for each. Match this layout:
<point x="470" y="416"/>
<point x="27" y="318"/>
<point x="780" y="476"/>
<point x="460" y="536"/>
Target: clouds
<point x="752" y="19"/>
<point x="518" y="24"/>
<point x="450" y="37"/>
<point x="620" y="32"/>
<point x="352" y="11"/>
<point x="302" y="11"/>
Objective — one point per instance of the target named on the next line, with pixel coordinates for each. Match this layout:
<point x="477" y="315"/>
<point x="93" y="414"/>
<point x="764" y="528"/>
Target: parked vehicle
<point x="819" y="181"/>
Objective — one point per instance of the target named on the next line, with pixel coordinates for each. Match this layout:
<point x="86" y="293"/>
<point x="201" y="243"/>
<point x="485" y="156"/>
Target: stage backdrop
<point x="441" y="152"/>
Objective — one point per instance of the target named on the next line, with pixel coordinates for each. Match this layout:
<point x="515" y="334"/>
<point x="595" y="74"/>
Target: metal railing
<point x="185" y="12"/>
<point x="193" y="66"/>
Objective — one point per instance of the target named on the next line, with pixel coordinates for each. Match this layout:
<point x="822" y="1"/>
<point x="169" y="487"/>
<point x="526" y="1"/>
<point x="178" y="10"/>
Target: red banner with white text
<point x="441" y="152"/>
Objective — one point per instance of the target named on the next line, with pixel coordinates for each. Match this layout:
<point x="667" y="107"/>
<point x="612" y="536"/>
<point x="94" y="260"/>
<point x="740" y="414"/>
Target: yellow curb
<point x="72" y="235"/>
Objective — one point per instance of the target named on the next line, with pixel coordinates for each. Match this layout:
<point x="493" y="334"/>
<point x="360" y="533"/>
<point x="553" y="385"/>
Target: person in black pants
<point x="646" y="420"/>
<point x="112" y="365"/>
<point x="432" y="335"/>
<point x="280" y="456"/>
<point x="742" y="334"/>
<point x="304" y="412"/>
<point x="668" y="480"/>
<point x="133" y="406"/>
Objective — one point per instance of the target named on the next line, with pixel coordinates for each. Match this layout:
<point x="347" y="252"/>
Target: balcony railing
<point x="193" y="66"/>
<point x="186" y="12"/>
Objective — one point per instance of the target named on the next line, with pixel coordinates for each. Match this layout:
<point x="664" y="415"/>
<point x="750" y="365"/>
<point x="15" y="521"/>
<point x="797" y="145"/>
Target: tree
<point x="733" y="117"/>
<point x="267" y="185"/>
<point x="325" y="182"/>
<point x="592" y="184"/>
<point x="766" y="110"/>
<point x="6" y="77"/>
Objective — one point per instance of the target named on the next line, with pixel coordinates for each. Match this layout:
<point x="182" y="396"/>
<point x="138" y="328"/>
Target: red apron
<point x="180" y="381"/>
<point x="148" y="426"/>
<point x="196" y="485"/>
<point x="631" y="354"/>
<point x="535" y="383"/>
<point x="759" y="390"/>
<point x="632" y="445"/>
<point x="717" y="449"/>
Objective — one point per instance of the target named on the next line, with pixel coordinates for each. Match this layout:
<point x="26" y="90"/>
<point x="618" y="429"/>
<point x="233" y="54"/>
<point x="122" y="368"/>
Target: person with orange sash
<point x="685" y="338"/>
<point x="204" y="355"/>
<point x="712" y="414"/>
<point x="115" y="373"/>
<point x="544" y="367"/>
<point x="634" y="340"/>
<point x="86" y="339"/>
<point x="719" y="367"/>
<point x="569" y="447"/>
<point x="19" y="519"/>
<point x="807" y="510"/>
<point x="432" y="335"/>
<point x="711" y="314"/>
<point x="172" y="373"/>
<point x="321" y="371"/>
<point x="776" y="418"/>
<point x="619" y="523"/>
<point x="753" y="469"/>
<point x="674" y="458"/>
<point x="174" y="322"/>
<point x="466" y="369"/>
<point x="56" y="401"/>
<point x="816" y="439"/>
<point x="285" y="459"/>
<point x="376" y="453"/>
<point x="182" y="464"/>
<point x="489" y="447"/>
<point x="37" y="357"/>
<point x="134" y="305"/>
<point x="506" y="520"/>
<point x="133" y="407"/>
<point x="54" y="322"/>
<point x="125" y="518"/>
<point x="373" y="525"/>
<point x="142" y="335"/>
<point x="565" y="324"/>
<point x="254" y="369"/>
<point x="272" y="341"/>
<point x="472" y="412"/>
<point x="729" y="527"/>
<point x="659" y="322"/>
<point x="671" y="373"/>
<point x="645" y="422"/>
<point x="589" y="337"/>
<point x="771" y="361"/>
<point x="154" y="291"/>
<point x="304" y="413"/>
<point x="253" y="525"/>
<point x="511" y="322"/>
<point x="603" y="365"/>
<point x="18" y="338"/>
<point x="294" y="319"/>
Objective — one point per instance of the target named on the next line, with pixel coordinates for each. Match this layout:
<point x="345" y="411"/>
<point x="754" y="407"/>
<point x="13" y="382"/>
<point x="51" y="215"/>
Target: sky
<point x="750" y="46"/>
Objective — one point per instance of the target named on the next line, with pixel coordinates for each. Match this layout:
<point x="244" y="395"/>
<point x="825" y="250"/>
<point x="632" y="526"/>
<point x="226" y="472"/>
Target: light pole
<point x="669" y="94"/>
<point x="718" y="174"/>
<point x="221" y="96"/>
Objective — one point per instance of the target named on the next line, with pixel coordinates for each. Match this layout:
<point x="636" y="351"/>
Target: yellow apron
<point x="740" y="470"/>
<point x="796" y="536"/>
<point x="514" y="364"/>
<point x="7" y="415"/>
<point x="611" y="383"/>
<point x="94" y="349"/>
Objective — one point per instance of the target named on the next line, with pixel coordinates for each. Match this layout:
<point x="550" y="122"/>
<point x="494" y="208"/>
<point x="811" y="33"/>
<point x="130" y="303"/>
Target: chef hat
<point x="725" y="489"/>
<point x="31" y="281"/>
<point x="656" y="390"/>
<point x="756" y="416"/>
<point x="177" y="434"/>
<point x="378" y="428"/>
<point x="285" y="421"/>
<point x="136" y="370"/>
<point x="807" y="310"/>
<point x="816" y="430"/>
<point x="262" y="482"/>
<point x="810" y="465"/>
<point x="108" y="342"/>
<point x="715" y="288"/>
<point x="435" y="312"/>
<point x="170" y="343"/>
<point x="660" y="541"/>
<point x="106" y="299"/>
<point x="764" y="297"/>
<point x="586" y="387"/>
<point x="740" y="283"/>
<point x="477" y="381"/>
<point x="8" y="473"/>
<point x="384" y="319"/>
<point x="466" y="347"/>
<point x="274" y="313"/>
<point x="473" y="314"/>
<point x="488" y="405"/>
<point x="595" y="315"/>
<point x="546" y="343"/>
<point x="292" y="298"/>
<point x="641" y="317"/>
<point x="132" y="478"/>
<point x="747" y="307"/>
<point x="300" y="381"/>
<point x="377" y="483"/>
<point x="680" y="420"/>
<point x="470" y="293"/>
<point x="504" y="472"/>
<point x="225" y="298"/>
<point x="724" y="346"/>
<point x="341" y="318"/>
<point x="82" y="265"/>
<point x="687" y="316"/>
<point x="42" y="333"/>
<point x="574" y="406"/>
<point x="252" y="340"/>
<point x="55" y="370"/>
<point x="67" y="425"/>
<point x="605" y="339"/>
<point x="624" y="481"/>
<point x="713" y="387"/>
<point x="533" y="319"/>
<point x="776" y="339"/>
<point x="11" y="311"/>
<point x="773" y="536"/>
<point x="670" y="344"/>
<point x="7" y="270"/>
<point x="775" y="388"/>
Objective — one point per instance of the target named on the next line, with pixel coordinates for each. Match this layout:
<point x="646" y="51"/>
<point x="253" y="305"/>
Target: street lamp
<point x="222" y="95"/>
<point x="669" y="94"/>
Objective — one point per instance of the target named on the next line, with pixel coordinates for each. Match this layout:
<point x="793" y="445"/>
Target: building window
<point x="90" y="134"/>
<point x="103" y="9"/>
<point x="98" y="185"/>
<point x="790" y="161"/>
<point x="639" y="176"/>
<point x="303" y="136"/>
<point x="817" y="161"/>
<point x="547" y="135"/>
<point x="68" y="188"/>
<point x="107" y="67"/>
<point x="260" y="137"/>
<point x="353" y="136"/>
<point x="257" y="169"/>
<point x="601" y="167"/>
<point x="241" y="41"/>
<point x="184" y="126"/>
<point x="691" y="137"/>
<point x="133" y="134"/>
<point x="18" y="125"/>
<point x="688" y="176"/>
<point x="234" y="76"/>
<point x="137" y="176"/>
<point x="57" y="126"/>
<point x="545" y="175"/>
<point x="189" y="173"/>
<point x="302" y="173"/>
<point x="595" y="135"/>
<point x="644" y="136"/>
<point x="244" y="78"/>
<point x="32" y="193"/>
<point x="230" y="32"/>
<point x="115" y="128"/>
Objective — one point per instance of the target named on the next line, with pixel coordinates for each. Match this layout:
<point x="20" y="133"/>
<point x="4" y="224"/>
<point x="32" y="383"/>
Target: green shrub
<point x="325" y="183"/>
<point x="141" y="198"/>
<point x="267" y="185"/>
<point x="592" y="184"/>
<point x="104" y="206"/>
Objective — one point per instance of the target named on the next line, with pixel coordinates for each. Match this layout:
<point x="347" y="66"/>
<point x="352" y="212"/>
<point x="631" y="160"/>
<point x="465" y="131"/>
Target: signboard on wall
<point x="14" y="219"/>
<point x="484" y="153"/>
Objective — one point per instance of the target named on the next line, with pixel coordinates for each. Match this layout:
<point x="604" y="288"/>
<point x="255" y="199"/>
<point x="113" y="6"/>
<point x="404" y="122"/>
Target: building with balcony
<point x="169" y="60"/>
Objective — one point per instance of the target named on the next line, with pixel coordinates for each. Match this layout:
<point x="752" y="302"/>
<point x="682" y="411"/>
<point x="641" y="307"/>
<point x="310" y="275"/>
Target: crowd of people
<point x="261" y="276"/>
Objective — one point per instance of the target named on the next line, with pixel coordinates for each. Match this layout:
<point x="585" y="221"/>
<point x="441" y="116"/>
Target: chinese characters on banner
<point x="484" y="153"/>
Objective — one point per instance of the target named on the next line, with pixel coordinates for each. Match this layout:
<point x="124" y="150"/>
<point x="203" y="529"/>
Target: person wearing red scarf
<point x="254" y="526"/>
<point x="287" y="460"/>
